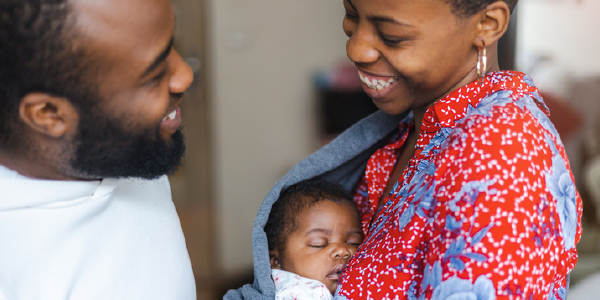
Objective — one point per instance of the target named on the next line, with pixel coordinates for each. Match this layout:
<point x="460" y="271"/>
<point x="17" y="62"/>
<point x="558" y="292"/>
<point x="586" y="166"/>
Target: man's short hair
<point x="37" y="54"/>
<point x="292" y="201"/>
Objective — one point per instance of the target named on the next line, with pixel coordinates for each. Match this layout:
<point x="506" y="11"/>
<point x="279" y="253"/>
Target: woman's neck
<point x="419" y="112"/>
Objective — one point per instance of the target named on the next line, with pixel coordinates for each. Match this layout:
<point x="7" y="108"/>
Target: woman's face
<point x="417" y="51"/>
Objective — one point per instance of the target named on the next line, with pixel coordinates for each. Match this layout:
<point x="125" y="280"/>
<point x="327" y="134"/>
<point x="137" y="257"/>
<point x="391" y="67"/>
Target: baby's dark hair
<point x="466" y="8"/>
<point x="295" y="199"/>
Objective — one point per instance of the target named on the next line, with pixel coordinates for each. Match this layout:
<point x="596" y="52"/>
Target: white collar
<point x="17" y="191"/>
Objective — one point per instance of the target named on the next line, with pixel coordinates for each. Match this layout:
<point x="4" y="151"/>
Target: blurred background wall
<point x="252" y="112"/>
<point x="263" y="53"/>
<point x="558" y="48"/>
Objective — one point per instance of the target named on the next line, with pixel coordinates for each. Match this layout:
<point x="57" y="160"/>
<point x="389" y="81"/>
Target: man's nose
<point x="182" y="76"/>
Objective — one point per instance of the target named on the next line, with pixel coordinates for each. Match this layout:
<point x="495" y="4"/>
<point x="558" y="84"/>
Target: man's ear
<point x="274" y="258"/>
<point x="493" y="22"/>
<point x="49" y="115"/>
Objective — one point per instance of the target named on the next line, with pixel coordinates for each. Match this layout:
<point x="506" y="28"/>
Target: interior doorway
<point x="191" y="184"/>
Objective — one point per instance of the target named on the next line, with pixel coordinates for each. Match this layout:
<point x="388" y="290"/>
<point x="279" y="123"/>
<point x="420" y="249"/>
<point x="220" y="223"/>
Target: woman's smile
<point x="378" y="87"/>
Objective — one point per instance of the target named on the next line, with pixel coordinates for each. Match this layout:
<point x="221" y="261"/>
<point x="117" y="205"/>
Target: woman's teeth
<point x="376" y="84"/>
<point x="170" y="116"/>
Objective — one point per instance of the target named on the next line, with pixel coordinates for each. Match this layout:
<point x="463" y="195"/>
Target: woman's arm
<point x="508" y="216"/>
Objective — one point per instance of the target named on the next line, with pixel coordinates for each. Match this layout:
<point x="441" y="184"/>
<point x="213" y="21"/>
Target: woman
<point x="471" y="196"/>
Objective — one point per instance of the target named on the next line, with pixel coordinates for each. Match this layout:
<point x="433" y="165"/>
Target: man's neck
<point x="31" y="167"/>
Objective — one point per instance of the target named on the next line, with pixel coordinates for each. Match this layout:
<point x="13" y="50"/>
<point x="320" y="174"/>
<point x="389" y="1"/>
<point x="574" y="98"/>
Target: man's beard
<point x="105" y="149"/>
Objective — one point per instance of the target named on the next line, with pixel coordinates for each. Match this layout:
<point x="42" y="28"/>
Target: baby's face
<point x="327" y="235"/>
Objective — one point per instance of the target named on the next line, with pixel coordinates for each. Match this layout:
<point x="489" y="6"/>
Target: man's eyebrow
<point x="159" y="59"/>
<point x="377" y="19"/>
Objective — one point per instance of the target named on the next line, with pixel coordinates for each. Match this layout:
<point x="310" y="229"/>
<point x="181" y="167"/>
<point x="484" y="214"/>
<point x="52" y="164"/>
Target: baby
<point x="313" y="230"/>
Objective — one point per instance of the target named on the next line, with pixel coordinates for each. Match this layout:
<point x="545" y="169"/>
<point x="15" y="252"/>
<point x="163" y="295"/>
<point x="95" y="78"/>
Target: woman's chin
<point x="391" y="108"/>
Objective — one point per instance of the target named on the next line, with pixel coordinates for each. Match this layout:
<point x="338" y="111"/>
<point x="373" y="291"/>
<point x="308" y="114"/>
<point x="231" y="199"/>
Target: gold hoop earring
<point x="481" y="63"/>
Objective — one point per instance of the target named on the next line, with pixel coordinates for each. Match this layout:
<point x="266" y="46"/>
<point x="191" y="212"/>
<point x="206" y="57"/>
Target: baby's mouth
<point x="336" y="272"/>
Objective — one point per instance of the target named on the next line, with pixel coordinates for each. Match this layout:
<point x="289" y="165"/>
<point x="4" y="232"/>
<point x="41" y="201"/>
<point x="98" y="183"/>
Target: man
<point x="89" y="125"/>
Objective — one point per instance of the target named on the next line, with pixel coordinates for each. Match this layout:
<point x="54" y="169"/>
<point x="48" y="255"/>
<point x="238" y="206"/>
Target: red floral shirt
<point x="486" y="208"/>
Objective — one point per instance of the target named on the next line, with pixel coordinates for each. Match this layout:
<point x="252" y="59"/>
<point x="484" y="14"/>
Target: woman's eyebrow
<point x="380" y="19"/>
<point x="350" y="2"/>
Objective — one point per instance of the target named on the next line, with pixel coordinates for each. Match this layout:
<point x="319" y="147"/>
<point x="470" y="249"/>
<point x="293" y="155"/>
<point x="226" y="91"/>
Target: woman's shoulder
<point x="511" y="120"/>
<point x="513" y="109"/>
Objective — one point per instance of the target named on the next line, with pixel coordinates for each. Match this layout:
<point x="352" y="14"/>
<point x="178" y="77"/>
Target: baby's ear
<point x="274" y="258"/>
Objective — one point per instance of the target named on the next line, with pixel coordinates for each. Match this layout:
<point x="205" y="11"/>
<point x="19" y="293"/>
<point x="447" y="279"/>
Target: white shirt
<point x="109" y="239"/>
<point x="290" y="286"/>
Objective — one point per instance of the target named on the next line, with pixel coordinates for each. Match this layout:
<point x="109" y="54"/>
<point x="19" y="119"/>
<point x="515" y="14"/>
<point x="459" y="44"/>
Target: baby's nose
<point x="341" y="252"/>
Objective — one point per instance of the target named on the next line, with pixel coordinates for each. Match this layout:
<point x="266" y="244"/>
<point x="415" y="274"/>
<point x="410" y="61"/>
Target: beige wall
<point x="262" y="55"/>
<point x="565" y="33"/>
<point x="564" y="30"/>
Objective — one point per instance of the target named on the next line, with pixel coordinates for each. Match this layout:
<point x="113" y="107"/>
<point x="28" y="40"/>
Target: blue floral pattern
<point x="460" y="289"/>
<point x="562" y="188"/>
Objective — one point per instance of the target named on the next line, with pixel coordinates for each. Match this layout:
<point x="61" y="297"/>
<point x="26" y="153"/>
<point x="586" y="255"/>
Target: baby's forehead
<point x="328" y="213"/>
<point x="337" y="207"/>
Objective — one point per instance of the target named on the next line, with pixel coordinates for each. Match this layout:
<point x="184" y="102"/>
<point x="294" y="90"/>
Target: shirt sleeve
<point x="509" y="213"/>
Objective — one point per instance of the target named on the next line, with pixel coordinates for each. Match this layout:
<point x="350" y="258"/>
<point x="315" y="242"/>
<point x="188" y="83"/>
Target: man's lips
<point x="170" y="116"/>
<point x="171" y="122"/>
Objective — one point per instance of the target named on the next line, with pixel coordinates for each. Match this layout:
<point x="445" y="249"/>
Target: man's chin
<point x="129" y="156"/>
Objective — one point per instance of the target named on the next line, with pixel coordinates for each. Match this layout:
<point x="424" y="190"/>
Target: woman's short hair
<point x="466" y="8"/>
<point x="293" y="200"/>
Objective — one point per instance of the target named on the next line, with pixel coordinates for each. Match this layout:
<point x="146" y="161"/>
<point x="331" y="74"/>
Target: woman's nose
<point x="341" y="251"/>
<point x="182" y="76"/>
<point x="360" y="47"/>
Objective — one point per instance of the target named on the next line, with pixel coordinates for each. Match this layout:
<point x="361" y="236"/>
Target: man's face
<point x="131" y="127"/>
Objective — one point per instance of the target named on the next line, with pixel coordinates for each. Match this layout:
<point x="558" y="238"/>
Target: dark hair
<point x="37" y="54"/>
<point x="295" y="199"/>
<point x="466" y="8"/>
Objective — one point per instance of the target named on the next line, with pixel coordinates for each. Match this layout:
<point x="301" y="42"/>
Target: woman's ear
<point x="274" y="258"/>
<point x="493" y="22"/>
<point x="49" y="115"/>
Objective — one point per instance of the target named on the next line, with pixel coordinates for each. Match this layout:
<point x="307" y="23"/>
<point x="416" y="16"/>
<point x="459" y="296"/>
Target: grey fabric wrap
<point x="343" y="161"/>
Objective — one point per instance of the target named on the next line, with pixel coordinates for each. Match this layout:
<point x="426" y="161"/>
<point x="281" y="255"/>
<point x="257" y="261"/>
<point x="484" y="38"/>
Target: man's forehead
<point x="124" y="19"/>
<point x="124" y="32"/>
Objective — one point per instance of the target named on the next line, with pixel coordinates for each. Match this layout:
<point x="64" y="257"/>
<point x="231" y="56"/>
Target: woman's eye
<point x="391" y="41"/>
<point x="351" y="17"/>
